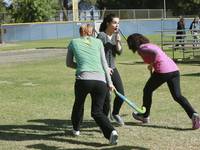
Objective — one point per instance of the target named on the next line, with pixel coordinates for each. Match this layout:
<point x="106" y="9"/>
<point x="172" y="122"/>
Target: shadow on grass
<point x="50" y="130"/>
<point x="54" y="130"/>
<point x="51" y="47"/>
<point x="157" y="126"/>
<point x="131" y="63"/>
<point x="192" y="74"/>
<point x="46" y="147"/>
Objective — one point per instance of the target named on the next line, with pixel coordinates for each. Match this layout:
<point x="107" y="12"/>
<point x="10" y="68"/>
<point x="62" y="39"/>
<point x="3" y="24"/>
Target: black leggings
<point x="97" y="90"/>
<point x="173" y="82"/>
<point x="117" y="82"/>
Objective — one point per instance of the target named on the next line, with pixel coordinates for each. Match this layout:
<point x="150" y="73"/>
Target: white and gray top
<point x="110" y="48"/>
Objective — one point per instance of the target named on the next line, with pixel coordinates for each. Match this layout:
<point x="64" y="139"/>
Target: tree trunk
<point x="64" y="8"/>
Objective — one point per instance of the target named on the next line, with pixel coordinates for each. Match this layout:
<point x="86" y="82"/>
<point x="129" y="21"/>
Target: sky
<point x="8" y="2"/>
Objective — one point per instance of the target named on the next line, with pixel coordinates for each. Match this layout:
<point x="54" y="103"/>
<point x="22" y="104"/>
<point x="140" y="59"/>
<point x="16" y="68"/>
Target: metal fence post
<point x="134" y="14"/>
<point x="1" y="34"/>
<point x="161" y="33"/>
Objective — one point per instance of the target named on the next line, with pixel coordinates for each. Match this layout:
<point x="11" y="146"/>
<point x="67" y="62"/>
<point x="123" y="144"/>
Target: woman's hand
<point x="117" y="38"/>
<point x="111" y="87"/>
<point x="150" y="68"/>
<point x="118" y="43"/>
<point x="110" y="70"/>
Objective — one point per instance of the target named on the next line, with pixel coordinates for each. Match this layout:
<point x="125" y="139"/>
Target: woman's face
<point x="113" y="26"/>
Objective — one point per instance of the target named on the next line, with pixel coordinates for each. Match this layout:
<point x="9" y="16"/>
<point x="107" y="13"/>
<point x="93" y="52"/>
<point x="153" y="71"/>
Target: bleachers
<point x="189" y="46"/>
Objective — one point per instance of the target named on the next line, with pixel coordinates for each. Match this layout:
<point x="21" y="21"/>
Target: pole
<point x="1" y="34"/>
<point x="164" y="7"/>
<point x="161" y="34"/>
<point x="75" y="10"/>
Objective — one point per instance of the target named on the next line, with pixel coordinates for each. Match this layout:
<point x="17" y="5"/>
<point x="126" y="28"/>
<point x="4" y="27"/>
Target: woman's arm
<point x="118" y="44"/>
<point x="105" y="65"/>
<point x="148" y="55"/>
<point x="69" y="60"/>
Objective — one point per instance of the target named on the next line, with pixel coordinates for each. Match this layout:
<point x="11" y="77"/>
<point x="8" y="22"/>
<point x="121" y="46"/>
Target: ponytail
<point x="108" y="19"/>
<point x="102" y="26"/>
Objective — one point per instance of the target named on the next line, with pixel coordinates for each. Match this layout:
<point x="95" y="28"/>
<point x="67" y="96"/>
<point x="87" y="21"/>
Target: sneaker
<point x="195" y="121"/>
<point x="140" y="117"/>
<point x="75" y="133"/>
<point x="118" y="119"/>
<point x="113" y="137"/>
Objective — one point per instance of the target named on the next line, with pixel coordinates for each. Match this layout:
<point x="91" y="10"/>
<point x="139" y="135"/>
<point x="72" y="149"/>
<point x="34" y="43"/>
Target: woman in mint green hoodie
<point x="92" y="77"/>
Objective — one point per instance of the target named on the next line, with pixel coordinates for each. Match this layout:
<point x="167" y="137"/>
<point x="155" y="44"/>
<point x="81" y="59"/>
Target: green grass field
<point x="53" y="43"/>
<point x="36" y="99"/>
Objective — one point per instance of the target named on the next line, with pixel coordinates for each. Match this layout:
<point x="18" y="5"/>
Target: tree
<point x="2" y="6"/>
<point x="64" y="7"/>
<point x="2" y="11"/>
<point x="186" y="7"/>
<point x="179" y="7"/>
<point x="92" y="2"/>
<point x="32" y="10"/>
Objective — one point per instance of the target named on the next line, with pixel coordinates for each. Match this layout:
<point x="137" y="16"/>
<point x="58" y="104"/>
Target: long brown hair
<point x="107" y="20"/>
<point x="135" y="40"/>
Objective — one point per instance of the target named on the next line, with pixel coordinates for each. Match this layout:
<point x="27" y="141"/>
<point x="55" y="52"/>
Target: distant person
<point x="85" y="15"/>
<point x="111" y="39"/>
<point x="195" y="31"/>
<point x="164" y="71"/>
<point x="92" y="77"/>
<point x="92" y="14"/>
<point x="180" y="34"/>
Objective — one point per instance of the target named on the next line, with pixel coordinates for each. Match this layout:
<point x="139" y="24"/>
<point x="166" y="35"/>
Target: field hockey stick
<point x="122" y="34"/>
<point x="95" y="32"/>
<point x="110" y="106"/>
<point x="130" y="103"/>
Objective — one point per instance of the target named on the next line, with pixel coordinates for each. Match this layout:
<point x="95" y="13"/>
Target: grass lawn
<point x="36" y="99"/>
<point x="53" y="43"/>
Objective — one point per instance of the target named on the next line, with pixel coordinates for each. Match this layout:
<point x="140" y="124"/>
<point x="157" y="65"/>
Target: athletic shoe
<point x="75" y="133"/>
<point x="140" y="117"/>
<point x="118" y="119"/>
<point x="195" y="121"/>
<point x="113" y="137"/>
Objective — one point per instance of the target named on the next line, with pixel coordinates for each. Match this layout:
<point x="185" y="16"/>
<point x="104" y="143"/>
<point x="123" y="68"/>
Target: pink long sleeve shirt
<point x="153" y="54"/>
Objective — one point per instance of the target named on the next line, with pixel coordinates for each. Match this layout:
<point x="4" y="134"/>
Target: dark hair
<point x="182" y="21"/>
<point x="107" y="19"/>
<point x="135" y="40"/>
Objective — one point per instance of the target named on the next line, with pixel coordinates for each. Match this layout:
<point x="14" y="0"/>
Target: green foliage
<point x="2" y="6"/>
<point x="179" y="7"/>
<point x="92" y="2"/>
<point x="32" y="10"/>
<point x="187" y="7"/>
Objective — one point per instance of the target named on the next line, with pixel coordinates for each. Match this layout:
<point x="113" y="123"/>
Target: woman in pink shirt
<point x="164" y="70"/>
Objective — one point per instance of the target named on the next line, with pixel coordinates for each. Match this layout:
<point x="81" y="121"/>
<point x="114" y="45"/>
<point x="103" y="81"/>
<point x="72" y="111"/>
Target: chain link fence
<point x="122" y="13"/>
<point x="86" y="15"/>
<point x="145" y="21"/>
<point x="98" y="14"/>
